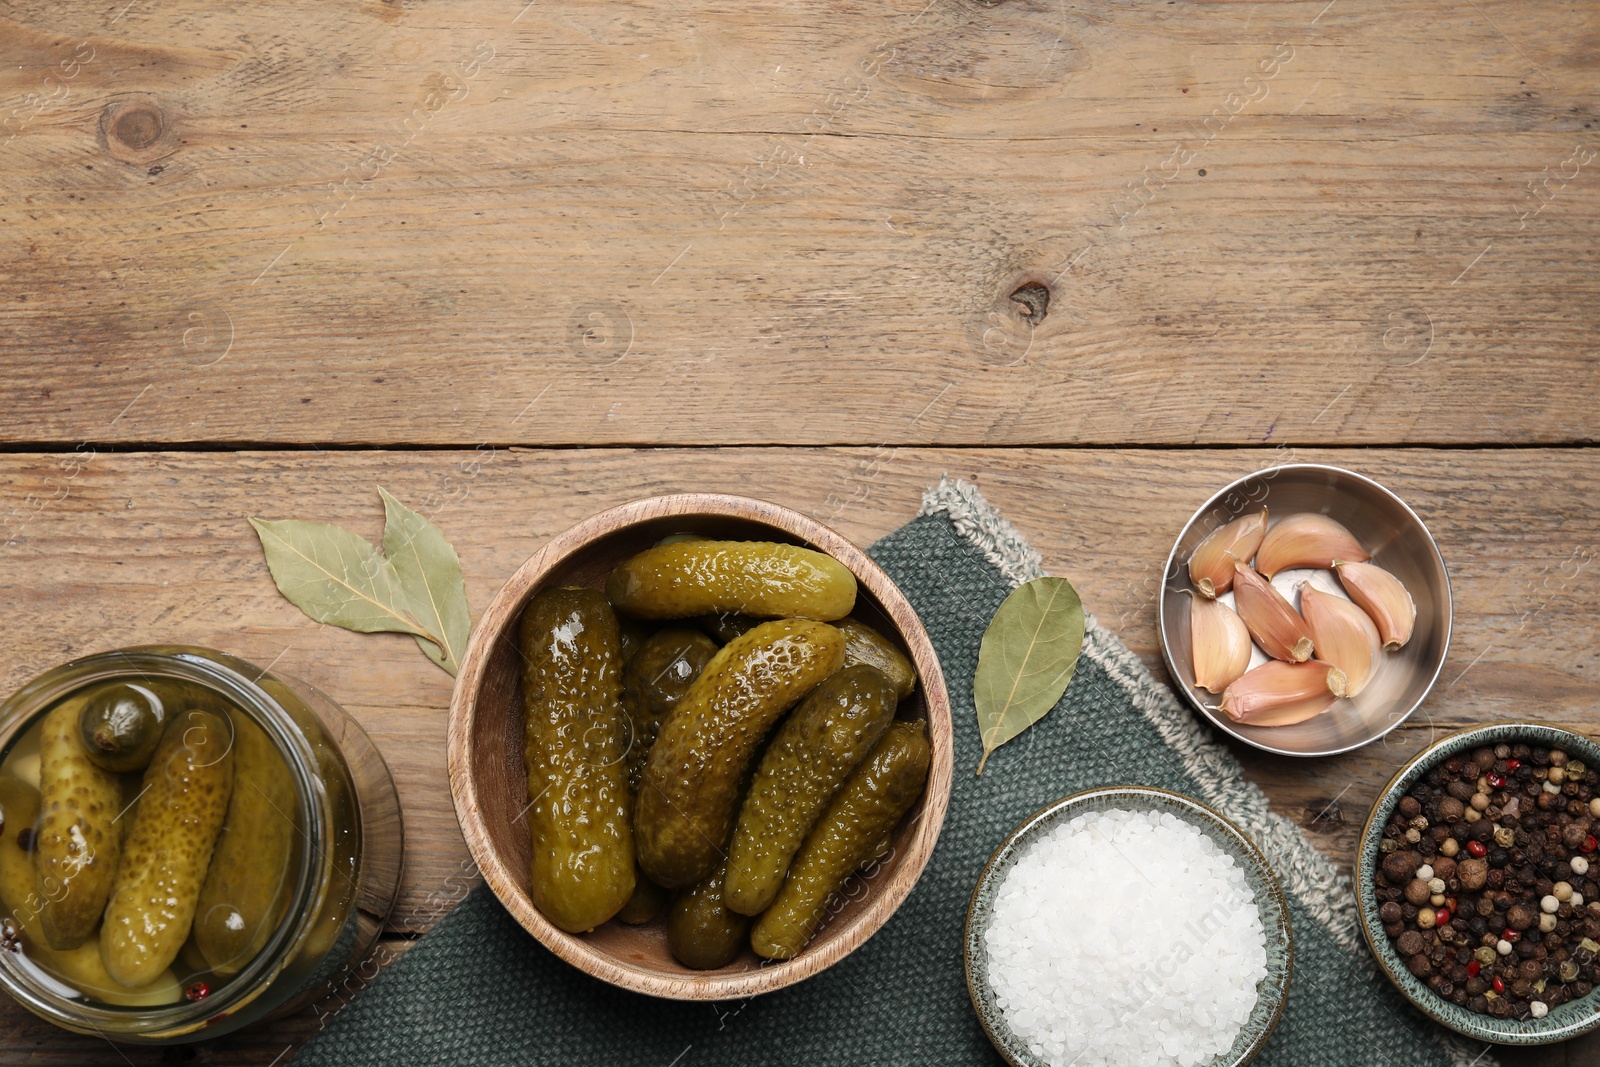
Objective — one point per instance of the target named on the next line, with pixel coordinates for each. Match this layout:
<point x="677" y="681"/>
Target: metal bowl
<point x="1274" y="910"/>
<point x="1398" y="541"/>
<point x="1565" y="1021"/>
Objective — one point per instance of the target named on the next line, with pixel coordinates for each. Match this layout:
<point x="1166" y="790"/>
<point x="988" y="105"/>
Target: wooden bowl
<point x="490" y="785"/>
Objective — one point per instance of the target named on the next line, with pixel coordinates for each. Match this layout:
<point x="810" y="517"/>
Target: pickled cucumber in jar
<point x="20" y="906"/>
<point x="245" y="893"/>
<point x="121" y="723"/>
<point x="188" y="785"/>
<point x="78" y="842"/>
<point x="575" y="754"/>
<point x="762" y="578"/>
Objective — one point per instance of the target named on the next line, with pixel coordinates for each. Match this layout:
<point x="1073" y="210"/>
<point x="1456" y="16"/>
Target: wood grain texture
<point x="641" y="221"/>
<point x="103" y="550"/>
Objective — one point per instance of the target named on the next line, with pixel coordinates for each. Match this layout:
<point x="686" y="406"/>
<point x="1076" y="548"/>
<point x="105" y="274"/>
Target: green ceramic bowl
<point x="1564" y="1022"/>
<point x="1271" y="991"/>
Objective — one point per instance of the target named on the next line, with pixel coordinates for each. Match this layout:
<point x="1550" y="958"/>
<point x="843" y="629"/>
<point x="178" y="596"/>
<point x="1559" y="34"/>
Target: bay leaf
<point x="1026" y="659"/>
<point x="428" y="573"/>
<point x="336" y="577"/>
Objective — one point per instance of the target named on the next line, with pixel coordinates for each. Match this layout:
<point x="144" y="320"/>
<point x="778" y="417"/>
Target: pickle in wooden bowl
<point x="669" y="950"/>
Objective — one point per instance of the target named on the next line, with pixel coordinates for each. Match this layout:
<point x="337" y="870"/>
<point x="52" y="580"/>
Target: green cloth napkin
<point x="480" y="991"/>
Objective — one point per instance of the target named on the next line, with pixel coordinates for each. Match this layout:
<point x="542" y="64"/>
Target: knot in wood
<point x="1034" y="297"/>
<point x="138" y="128"/>
<point x="135" y="129"/>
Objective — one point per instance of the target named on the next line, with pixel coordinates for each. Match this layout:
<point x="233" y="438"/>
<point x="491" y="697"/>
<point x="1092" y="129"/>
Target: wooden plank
<point x="758" y="223"/>
<point x="104" y="550"/>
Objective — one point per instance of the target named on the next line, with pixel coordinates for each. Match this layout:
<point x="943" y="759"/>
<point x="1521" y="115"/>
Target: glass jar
<point x="341" y="866"/>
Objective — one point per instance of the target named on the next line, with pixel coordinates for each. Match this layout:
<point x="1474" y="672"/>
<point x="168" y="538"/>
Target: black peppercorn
<point x="1399" y="867"/>
<point x="1498" y="869"/>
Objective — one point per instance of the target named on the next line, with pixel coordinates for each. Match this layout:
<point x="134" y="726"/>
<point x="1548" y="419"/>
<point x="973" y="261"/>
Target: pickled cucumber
<point x="187" y="788"/>
<point x="692" y="775"/>
<point x="752" y="577"/>
<point x="652" y="684"/>
<point x="340" y="865"/>
<point x="727" y="626"/>
<point x="850" y="834"/>
<point x="646" y="903"/>
<point x="83" y="969"/>
<point x="121" y="724"/>
<point x="79" y="840"/>
<point x="575" y="737"/>
<point x="863" y="644"/>
<point x="244" y="893"/>
<point x="813" y="753"/>
<point x="701" y="931"/>
<point x="632" y="637"/>
<point x="684" y="535"/>
<point x="80" y="967"/>
<point x="19" y="815"/>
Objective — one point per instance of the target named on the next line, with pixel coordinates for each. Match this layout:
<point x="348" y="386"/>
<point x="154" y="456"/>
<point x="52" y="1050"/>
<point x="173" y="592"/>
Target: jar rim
<point x="239" y="682"/>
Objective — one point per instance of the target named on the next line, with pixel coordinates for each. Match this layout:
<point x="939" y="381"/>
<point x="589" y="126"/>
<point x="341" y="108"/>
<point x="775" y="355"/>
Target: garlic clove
<point x="1383" y="597"/>
<point x="1220" y="644"/>
<point x="1343" y="634"/>
<point x="1271" y="620"/>
<point x="1211" y="563"/>
<point x="1306" y="540"/>
<point x="1282" y="694"/>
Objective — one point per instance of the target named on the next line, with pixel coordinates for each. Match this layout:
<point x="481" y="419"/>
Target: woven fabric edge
<point x="1326" y="894"/>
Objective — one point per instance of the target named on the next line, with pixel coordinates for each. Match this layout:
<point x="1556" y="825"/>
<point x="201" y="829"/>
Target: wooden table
<point x="517" y="262"/>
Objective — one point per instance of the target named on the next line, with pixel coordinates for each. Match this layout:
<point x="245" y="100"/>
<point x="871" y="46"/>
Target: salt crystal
<point x="1125" y="939"/>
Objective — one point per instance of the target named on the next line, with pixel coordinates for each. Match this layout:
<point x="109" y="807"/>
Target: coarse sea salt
<point x="1125" y="939"/>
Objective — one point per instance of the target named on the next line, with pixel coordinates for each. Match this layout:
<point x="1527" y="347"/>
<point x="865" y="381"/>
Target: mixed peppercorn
<point x="1485" y="884"/>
